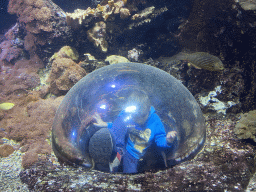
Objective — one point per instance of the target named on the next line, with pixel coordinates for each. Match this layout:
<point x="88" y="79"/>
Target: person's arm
<point x="99" y="121"/>
<point x="161" y="139"/>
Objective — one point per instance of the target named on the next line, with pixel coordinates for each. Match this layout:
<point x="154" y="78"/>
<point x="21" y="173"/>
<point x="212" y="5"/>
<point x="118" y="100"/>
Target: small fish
<point x="200" y="60"/>
<point x="6" y="106"/>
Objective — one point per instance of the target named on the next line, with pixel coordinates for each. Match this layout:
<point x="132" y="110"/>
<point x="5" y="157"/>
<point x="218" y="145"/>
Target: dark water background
<point x="6" y="20"/>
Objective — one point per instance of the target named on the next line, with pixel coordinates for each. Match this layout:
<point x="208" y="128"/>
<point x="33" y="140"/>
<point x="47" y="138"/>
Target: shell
<point x="105" y="92"/>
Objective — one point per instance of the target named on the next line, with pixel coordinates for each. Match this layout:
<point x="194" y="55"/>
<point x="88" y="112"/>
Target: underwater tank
<point x="113" y="105"/>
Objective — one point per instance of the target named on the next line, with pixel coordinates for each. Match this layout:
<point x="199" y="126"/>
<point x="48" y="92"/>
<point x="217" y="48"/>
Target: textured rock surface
<point x="246" y="127"/>
<point x="6" y="150"/>
<point x="65" y="72"/>
<point x="225" y="164"/>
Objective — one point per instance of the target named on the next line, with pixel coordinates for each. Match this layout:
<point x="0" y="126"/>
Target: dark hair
<point x="141" y="99"/>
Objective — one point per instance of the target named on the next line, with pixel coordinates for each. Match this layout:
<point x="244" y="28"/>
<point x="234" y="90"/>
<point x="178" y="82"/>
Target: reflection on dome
<point x="129" y="118"/>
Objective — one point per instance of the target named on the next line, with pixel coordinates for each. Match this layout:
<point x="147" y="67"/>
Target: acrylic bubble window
<point x="128" y="118"/>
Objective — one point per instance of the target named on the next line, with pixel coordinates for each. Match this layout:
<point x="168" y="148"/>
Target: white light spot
<point x="103" y="106"/>
<point x="127" y="118"/>
<point x="130" y="109"/>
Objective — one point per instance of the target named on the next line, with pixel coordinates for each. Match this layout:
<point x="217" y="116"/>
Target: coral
<point x="97" y="35"/>
<point x="64" y="71"/>
<point x="144" y="13"/>
<point x="89" y="57"/>
<point x="64" y="74"/>
<point x="42" y="14"/>
<point x="23" y="8"/>
<point x="8" y="51"/>
<point x="118" y="5"/>
<point x="35" y="14"/>
<point x="77" y="18"/>
<point x="37" y="26"/>
<point x="146" y="16"/>
<point x="31" y="65"/>
<point x="214" y="103"/>
<point x="246" y="127"/>
<point x="10" y="54"/>
<point x="66" y="52"/>
<point x="124" y="13"/>
<point x="6" y="150"/>
<point x="90" y="63"/>
<point x="82" y="17"/>
<point x="30" y="123"/>
<point x="247" y="4"/>
<point x="18" y="81"/>
<point x="21" y="77"/>
<point x="30" y="42"/>
<point x="113" y="59"/>
<point x="134" y="54"/>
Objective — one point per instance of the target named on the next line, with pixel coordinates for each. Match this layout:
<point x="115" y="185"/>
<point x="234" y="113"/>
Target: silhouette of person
<point x="135" y="128"/>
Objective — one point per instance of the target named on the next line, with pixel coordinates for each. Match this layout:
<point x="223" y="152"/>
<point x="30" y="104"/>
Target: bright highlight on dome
<point x="128" y="118"/>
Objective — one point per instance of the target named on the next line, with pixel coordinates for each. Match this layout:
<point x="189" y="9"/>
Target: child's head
<point x="141" y="103"/>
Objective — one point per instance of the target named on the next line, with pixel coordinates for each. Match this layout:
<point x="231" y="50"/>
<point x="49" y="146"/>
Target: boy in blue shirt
<point x="135" y="128"/>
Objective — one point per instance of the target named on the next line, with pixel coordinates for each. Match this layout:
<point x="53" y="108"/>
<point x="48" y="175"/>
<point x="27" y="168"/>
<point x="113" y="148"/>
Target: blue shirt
<point x="139" y="137"/>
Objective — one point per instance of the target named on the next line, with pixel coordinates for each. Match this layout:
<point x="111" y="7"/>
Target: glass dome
<point x="128" y="117"/>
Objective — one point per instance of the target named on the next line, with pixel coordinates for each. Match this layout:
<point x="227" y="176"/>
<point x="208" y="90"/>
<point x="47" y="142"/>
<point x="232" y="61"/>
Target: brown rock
<point x="6" y="150"/>
<point x="64" y="74"/>
<point x="29" y="159"/>
<point x="30" y="42"/>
